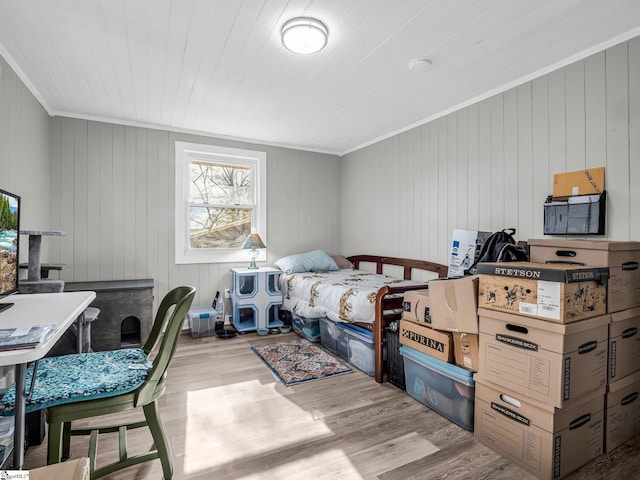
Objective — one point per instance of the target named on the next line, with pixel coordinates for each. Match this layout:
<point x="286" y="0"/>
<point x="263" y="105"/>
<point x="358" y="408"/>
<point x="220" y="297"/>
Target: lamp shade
<point x="253" y="241"/>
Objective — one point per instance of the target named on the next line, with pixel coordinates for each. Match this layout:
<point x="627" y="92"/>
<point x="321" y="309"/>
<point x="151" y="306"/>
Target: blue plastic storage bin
<point x="441" y="386"/>
<point x="352" y="343"/>
<point x="360" y="352"/>
<point x="308" y="328"/>
<point x="333" y="337"/>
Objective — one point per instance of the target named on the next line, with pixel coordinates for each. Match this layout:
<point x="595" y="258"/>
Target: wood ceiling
<point x="218" y="67"/>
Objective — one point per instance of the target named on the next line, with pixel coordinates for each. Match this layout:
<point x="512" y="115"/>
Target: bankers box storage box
<point x="622" y="419"/>
<point x="558" y="293"/>
<point x="622" y="258"/>
<point x="427" y="340"/>
<point x="416" y="306"/>
<point x="624" y="343"/>
<point x="454" y="304"/>
<point x="548" y="442"/>
<point x="549" y="362"/>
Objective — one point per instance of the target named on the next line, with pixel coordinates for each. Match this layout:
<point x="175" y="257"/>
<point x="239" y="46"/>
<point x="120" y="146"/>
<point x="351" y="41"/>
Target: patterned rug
<point x="299" y="361"/>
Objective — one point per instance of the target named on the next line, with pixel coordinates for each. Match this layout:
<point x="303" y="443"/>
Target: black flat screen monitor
<point x="9" y="245"/>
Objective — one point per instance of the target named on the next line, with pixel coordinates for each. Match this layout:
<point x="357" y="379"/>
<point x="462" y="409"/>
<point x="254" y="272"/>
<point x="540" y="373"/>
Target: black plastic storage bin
<point x="394" y="362"/>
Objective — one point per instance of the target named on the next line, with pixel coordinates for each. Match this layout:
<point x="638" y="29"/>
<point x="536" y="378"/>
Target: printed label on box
<point x="549" y="299"/>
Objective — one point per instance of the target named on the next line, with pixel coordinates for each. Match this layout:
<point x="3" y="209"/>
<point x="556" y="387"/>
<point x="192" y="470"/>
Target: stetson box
<point x="623" y="411"/>
<point x="454" y="304"/>
<point x="624" y="343"/>
<point x="427" y="340"/>
<point x="415" y="306"/>
<point x="466" y="350"/>
<point x="548" y="442"/>
<point x="622" y="258"/>
<point x="558" y="293"/>
<point x="549" y="362"/>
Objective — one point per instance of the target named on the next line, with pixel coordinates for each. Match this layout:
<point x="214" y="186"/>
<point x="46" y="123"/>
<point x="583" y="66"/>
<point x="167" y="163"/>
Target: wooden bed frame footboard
<point x="386" y="300"/>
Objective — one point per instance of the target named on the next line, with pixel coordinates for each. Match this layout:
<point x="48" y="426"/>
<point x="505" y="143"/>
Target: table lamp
<point x="253" y="241"/>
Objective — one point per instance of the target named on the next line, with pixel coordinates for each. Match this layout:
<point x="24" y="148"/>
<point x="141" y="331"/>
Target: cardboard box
<point x="624" y="343"/>
<point x="416" y="307"/>
<point x="454" y="304"/>
<point x="622" y="258"/>
<point x="427" y="340"/>
<point x="549" y="362"/>
<point x="622" y="420"/>
<point x="466" y="350"/>
<point x="580" y="182"/>
<point x="465" y="247"/>
<point x="548" y="442"/>
<point x="76" y="469"/>
<point x="558" y="293"/>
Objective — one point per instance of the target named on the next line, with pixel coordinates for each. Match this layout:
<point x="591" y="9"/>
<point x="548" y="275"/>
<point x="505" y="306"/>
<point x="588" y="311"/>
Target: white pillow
<point x="316" y="261"/>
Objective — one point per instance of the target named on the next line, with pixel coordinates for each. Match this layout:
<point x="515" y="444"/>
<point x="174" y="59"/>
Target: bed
<point x="369" y="300"/>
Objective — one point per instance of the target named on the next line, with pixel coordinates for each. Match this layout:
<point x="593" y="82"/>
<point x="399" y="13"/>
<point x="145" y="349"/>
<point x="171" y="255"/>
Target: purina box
<point x="443" y="387"/>
<point x="622" y="258"/>
<point x="624" y="343"/>
<point x="466" y="350"/>
<point x="427" y="340"/>
<point x="550" y="362"/>
<point x="623" y="411"/>
<point x="548" y="442"/>
<point x="416" y="306"/>
<point x="454" y="304"/>
<point x="558" y="293"/>
<point x="465" y="246"/>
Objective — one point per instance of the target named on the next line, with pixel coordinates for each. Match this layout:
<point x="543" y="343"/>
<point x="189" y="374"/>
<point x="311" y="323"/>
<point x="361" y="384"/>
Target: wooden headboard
<point x="407" y="263"/>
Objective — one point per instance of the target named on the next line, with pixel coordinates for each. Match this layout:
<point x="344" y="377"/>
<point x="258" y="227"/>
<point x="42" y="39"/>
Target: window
<point x="220" y="196"/>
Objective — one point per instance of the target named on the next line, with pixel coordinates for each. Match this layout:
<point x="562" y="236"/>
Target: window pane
<point x="219" y="227"/>
<point x="218" y="184"/>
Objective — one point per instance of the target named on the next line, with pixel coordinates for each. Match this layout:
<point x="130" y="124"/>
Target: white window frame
<point x="184" y="153"/>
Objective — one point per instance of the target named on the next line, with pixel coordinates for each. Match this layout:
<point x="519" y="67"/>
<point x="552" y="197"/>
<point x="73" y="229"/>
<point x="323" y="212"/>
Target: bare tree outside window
<point x="221" y="204"/>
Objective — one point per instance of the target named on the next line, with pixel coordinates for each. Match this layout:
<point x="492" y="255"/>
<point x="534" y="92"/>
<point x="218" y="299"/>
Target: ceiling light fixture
<point x="419" y="65"/>
<point x="304" y="35"/>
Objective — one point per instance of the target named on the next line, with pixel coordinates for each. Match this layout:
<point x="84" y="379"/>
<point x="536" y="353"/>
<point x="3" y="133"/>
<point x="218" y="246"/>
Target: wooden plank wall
<point x="24" y="156"/>
<point x="112" y="191"/>
<point x="490" y="165"/>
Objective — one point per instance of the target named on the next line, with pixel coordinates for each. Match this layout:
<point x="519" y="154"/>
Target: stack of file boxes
<point x="541" y="381"/>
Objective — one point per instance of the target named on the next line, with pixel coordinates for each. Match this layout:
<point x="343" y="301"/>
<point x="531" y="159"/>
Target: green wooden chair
<point x="79" y="386"/>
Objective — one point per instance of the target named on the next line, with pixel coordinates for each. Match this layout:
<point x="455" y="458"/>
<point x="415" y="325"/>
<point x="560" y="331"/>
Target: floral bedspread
<point x="343" y="296"/>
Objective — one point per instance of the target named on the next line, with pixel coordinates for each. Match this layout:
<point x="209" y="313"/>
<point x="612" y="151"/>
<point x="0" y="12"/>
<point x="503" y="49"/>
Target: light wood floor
<point x="228" y="418"/>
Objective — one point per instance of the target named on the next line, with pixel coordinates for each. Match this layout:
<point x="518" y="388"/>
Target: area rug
<point x="299" y="361"/>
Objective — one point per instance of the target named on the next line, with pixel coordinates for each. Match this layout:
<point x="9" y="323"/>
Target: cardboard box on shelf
<point x="466" y="350"/>
<point x="622" y="418"/>
<point x="580" y="182"/>
<point x="624" y="343"/>
<point x="558" y="293"/>
<point x="622" y="258"/>
<point x="548" y="442"/>
<point x="427" y="340"/>
<point x="454" y="304"/>
<point x="465" y="247"/>
<point x="416" y="306"/>
<point x="549" y="362"/>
